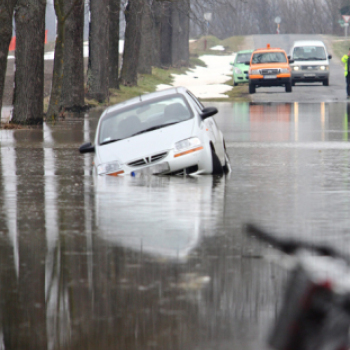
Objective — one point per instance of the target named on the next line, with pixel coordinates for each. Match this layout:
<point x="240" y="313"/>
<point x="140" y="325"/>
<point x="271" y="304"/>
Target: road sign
<point x="346" y="18"/>
<point x="208" y="16"/>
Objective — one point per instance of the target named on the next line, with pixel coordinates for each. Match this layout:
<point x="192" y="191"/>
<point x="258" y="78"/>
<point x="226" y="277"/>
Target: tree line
<point x="156" y="34"/>
<point x="237" y="17"/>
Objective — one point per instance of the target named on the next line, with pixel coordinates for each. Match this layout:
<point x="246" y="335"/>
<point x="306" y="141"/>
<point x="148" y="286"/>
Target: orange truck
<point x="269" y="67"/>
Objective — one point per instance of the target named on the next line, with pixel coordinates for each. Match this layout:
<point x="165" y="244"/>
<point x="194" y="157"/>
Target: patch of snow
<point x="206" y="82"/>
<point x="218" y="48"/>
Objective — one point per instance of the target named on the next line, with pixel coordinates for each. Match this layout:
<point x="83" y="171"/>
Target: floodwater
<point x="163" y="262"/>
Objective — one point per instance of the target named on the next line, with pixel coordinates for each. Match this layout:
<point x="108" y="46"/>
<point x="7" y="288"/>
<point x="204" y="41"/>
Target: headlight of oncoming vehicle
<point x="187" y="146"/>
<point x="296" y="68"/>
<point x="112" y="168"/>
<point x="324" y="67"/>
<point x="237" y="71"/>
<point x="255" y="72"/>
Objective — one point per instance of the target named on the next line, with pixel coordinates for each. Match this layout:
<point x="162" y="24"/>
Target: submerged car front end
<point x="176" y="151"/>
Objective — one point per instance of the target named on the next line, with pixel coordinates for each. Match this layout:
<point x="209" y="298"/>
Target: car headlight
<point x="255" y="72"/>
<point x="237" y="71"/>
<point x="187" y="146"/>
<point x="112" y="168"/>
<point x="324" y="67"/>
<point x="296" y="68"/>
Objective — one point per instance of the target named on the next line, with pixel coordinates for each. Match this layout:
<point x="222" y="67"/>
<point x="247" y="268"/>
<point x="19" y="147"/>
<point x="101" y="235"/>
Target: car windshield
<point x="143" y="117"/>
<point x="269" y="57"/>
<point x="243" y="57"/>
<point x="309" y="53"/>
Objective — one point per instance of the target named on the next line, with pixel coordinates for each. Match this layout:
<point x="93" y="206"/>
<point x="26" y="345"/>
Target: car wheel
<point x="217" y="167"/>
<point x="234" y="83"/>
<point x="326" y="82"/>
<point x="251" y="88"/>
<point x="288" y="87"/>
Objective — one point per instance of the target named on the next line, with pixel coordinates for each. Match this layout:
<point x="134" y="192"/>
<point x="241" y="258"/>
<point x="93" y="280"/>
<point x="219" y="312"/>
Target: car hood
<point x="146" y="144"/>
<point x="241" y="66"/>
<point x="310" y="63"/>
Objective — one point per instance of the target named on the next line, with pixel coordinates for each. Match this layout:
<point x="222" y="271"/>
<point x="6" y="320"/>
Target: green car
<point x="240" y="69"/>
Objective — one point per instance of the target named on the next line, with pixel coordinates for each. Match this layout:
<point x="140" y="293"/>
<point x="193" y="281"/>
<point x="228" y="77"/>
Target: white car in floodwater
<point x="165" y="132"/>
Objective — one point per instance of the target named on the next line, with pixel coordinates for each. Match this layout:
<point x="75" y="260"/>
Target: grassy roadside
<point x="148" y="83"/>
<point x="340" y="46"/>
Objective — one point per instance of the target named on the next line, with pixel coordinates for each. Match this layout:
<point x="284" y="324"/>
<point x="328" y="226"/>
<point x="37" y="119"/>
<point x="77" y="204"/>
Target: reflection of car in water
<point x="162" y="216"/>
<point x="273" y="119"/>
<point x="165" y="132"/>
<point x="269" y="67"/>
<point x="240" y="67"/>
<point x="311" y="62"/>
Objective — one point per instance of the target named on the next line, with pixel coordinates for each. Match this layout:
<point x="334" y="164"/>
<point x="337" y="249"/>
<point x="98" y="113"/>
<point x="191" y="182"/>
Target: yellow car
<point x="269" y="67"/>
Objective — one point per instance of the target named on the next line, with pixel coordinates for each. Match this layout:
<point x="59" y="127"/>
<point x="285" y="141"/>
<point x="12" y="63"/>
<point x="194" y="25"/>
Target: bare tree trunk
<point x="166" y="35"/>
<point x="146" y="49"/>
<point x="133" y="18"/>
<point x="175" y="33"/>
<point x="55" y="105"/>
<point x="29" y="76"/>
<point x="73" y="66"/>
<point x="184" y="20"/>
<point x="6" y="14"/>
<point x="57" y="77"/>
<point x="156" y="32"/>
<point x="114" y="12"/>
<point x="98" y="50"/>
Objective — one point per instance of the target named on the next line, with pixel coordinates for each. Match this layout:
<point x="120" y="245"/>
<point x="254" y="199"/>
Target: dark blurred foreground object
<point x="315" y="313"/>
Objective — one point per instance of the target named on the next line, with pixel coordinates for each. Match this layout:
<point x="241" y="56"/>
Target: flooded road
<point x="144" y="263"/>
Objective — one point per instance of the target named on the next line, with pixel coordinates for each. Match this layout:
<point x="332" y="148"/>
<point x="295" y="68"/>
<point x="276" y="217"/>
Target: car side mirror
<point x="247" y="63"/>
<point x="289" y="57"/>
<point x="329" y="57"/>
<point x="291" y="61"/>
<point x="208" y="112"/>
<point x="87" y="148"/>
<point x="231" y="63"/>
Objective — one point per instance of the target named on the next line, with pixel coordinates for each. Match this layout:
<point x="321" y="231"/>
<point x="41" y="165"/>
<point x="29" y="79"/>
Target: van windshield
<point x="309" y="53"/>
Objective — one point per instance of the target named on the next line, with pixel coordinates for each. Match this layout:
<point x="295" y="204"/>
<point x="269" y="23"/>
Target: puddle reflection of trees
<point x="67" y="285"/>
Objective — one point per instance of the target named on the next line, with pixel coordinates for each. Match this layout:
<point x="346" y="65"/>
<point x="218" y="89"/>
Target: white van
<point x="311" y="62"/>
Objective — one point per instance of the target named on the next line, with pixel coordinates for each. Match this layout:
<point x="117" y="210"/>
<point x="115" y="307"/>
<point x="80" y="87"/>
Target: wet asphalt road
<point x="302" y="92"/>
<point x="162" y="262"/>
